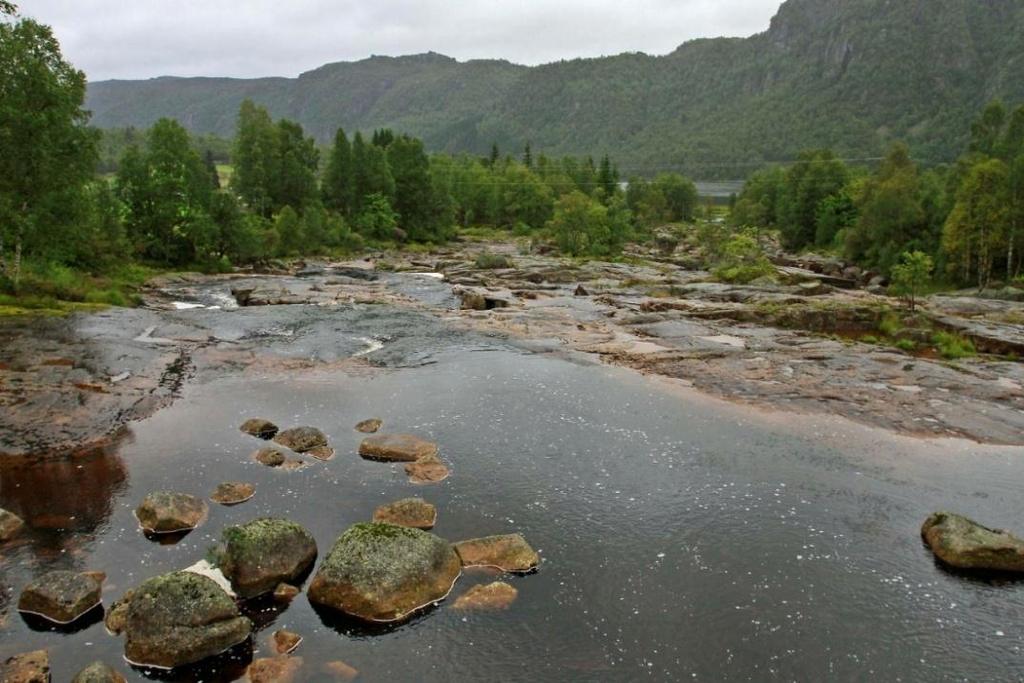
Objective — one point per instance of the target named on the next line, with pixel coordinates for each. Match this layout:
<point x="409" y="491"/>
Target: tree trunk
<point x="16" y="270"/>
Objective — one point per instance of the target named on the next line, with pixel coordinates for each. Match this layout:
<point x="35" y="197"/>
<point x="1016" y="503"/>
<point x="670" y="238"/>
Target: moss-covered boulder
<point x="965" y="544"/>
<point x="301" y="439"/>
<point x="10" y="525"/>
<point x="397" y="448"/>
<point x="258" y="556"/>
<point x="260" y="428"/>
<point x="30" y="667"/>
<point x="98" y="672"/>
<point x="181" y="618"/>
<point x="414" y="513"/>
<point x="382" y="572"/>
<point x="510" y="553"/>
<point x="168" y="512"/>
<point x="116" y="618"/>
<point x="61" y="596"/>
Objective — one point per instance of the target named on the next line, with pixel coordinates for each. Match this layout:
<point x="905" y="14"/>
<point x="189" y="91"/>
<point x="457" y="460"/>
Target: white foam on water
<point x="371" y="346"/>
<point x="185" y="306"/>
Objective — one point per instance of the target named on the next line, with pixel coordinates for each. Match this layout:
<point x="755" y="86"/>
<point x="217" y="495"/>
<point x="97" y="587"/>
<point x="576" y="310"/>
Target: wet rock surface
<point x="233" y="493"/>
<point x="371" y="426"/>
<point x="10" y="525"/>
<point x="271" y="457"/>
<point x="381" y="572"/>
<point x="301" y="439"/>
<point x="98" y="672"/>
<point x="264" y="553"/>
<point x="280" y="669"/>
<point x="510" y="553"/>
<point x="260" y="428"/>
<point x="485" y="598"/>
<point x="168" y="512"/>
<point x="397" y="448"/>
<point x="61" y="596"/>
<point x="965" y="544"/>
<point x="181" y="618"/>
<point x="286" y="641"/>
<point x="415" y="513"/>
<point x="30" y="667"/>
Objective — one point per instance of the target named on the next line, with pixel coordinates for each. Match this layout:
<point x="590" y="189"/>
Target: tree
<point x="528" y="157"/>
<point x="988" y="129"/>
<point x="910" y="276"/>
<point x="47" y="154"/>
<point x="377" y="220"/>
<point x="338" y="188"/>
<point x="680" y="195"/>
<point x="582" y="225"/>
<point x="524" y="199"/>
<point x="758" y="202"/>
<point x="410" y="169"/>
<point x="979" y="223"/>
<point x="608" y="178"/>
<point x="371" y="173"/>
<point x="296" y="161"/>
<point x="288" y="226"/>
<point x="239" y="236"/>
<point x="255" y="158"/>
<point x="816" y="176"/>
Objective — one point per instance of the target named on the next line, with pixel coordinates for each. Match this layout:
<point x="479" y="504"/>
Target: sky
<point x="249" y="38"/>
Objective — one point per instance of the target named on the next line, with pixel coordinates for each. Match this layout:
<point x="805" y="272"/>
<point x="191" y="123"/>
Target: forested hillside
<point x="852" y="75"/>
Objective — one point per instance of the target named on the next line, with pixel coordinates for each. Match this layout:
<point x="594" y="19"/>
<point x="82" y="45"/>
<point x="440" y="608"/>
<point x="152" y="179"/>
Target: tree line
<point x="966" y="218"/>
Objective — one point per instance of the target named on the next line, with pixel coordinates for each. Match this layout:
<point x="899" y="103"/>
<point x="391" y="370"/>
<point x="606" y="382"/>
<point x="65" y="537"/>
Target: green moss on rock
<point x="265" y="552"/>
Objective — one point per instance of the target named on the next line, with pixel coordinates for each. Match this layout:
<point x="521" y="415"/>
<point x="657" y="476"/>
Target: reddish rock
<point x="397" y="448"/>
<point x="494" y="596"/>
<point x="371" y="426"/>
<point x="233" y="493"/>
<point x="30" y="667"/>
<point x="415" y="513"/>
<point x="341" y="671"/>
<point x="282" y="669"/>
<point x="510" y="553"/>
<point x="285" y="642"/>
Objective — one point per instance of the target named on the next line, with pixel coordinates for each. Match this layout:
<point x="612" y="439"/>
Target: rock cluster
<point x="421" y="456"/>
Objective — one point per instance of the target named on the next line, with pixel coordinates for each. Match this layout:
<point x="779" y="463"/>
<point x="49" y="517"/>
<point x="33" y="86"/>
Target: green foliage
<point x="377" y="220"/>
<point x="952" y="346"/>
<point x="908" y="345"/>
<point x="742" y="261"/>
<point x="911" y="276"/>
<point x="489" y="261"/>
<point x="815" y="178"/>
<point x="582" y="226"/>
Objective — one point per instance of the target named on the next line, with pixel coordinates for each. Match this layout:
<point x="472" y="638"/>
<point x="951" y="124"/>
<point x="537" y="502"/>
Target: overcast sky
<point x="145" y="38"/>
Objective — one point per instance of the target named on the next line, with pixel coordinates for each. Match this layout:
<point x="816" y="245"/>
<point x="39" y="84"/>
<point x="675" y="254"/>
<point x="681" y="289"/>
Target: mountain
<point x="849" y="74"/>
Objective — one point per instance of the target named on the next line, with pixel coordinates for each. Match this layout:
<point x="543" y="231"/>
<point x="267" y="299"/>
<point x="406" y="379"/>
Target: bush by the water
<point x="742" y="261"/>
<point x="489" y="261"/>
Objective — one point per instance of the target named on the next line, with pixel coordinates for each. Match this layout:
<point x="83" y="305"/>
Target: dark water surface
<point x="682" y="539"/>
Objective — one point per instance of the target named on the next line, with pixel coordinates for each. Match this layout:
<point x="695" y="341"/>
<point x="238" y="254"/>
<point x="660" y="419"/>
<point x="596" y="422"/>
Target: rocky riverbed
<point x="595" y="419"/>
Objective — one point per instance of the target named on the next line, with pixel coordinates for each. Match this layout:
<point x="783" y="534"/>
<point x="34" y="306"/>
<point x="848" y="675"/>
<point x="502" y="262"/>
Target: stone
<point x="167" y="512"/>
<point x="98" y="672"/>
<point x="233" y="493"/>
<point x="264" y="553"/>
<point x="371" y="426"/>
<point x="323" y="453"/>
<point x="282" y="669"/>
<point x="383" y="573"/>
<point x="116" y="618"/>
<point x="205" y="568"/>
<point x="285" y="592"/>
<point x="181" y="618"/>
<point x="429" y="470"/>
<point x="10" y="525"/>
<point x="965" y="544"/>
<point x="261" y="429"/>
<point x="414" y="513"/>
<point x="340" y="671"/>
<point x="271" y="457"/>
<point x="30" y="667"/>
<point x="397" y="448"/>
<point x="581" y="291"/>
<point x="285" y="642"/>
<point x="60" y="596"/>
<point x="301" y="439"/>
<point x="494" y="596"/>
<point x="510" y="553"/>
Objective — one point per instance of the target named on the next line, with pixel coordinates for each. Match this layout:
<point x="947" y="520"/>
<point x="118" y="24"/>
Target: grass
<point x="51" y="289"/>
<point x="953" y="346"/>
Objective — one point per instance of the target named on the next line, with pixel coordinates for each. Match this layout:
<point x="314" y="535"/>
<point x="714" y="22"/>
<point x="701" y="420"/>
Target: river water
<point x="682" y="538"/>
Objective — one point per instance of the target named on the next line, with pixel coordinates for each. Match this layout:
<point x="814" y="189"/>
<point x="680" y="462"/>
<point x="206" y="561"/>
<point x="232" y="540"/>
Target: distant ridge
<point x="848" y="74"/>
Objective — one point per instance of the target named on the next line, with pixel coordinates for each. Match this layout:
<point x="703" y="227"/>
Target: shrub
<point x="953" y="346"/>
<point x="907" y="345"/>
<point x="910" y="277"/>
<point x="742" y="261"/>
<point x="489" y="261"/>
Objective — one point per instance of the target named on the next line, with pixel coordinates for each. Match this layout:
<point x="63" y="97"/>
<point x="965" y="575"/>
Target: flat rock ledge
<point x="61" y="596"/>
<point x="385" y="573"/>
<point x="29" y="667"/>
<point x="397" y="448"/>
<point x="963" y="543"/>
<point x="168" y="512"/>
<point x="510" y="553"/>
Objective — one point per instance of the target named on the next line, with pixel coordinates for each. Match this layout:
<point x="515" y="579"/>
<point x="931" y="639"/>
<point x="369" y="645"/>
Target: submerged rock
<point x="261" y="429"/>
<point x="397" y="448"/>
<point x="494" y="596"/>
<point x="10" y="525"/>
<point x="965" y="544"/>
<point x="61" y="596"/>
<point x="301" y="439"/>
<point x="371" y="426"/>
<point x="285" y="642"/>
<point x="340" y="671"/>
<point x="510" y="553"/>
<point x="264" y="553"/>
<point x="167" y="512"/>
<point x="282" y="669"/>
<point x="181" y="618"/>
<point x="285" y="592"/>
<point x="233" y="493"/>
<point x="98" y="672"/>
<point x="414" y="513"/>
<point x="428" y="470"/>
<point x="382" y="572"/>
<point x="271" y="457"/>
<point x="30" y="667"/>
<point x="323" y="453"/>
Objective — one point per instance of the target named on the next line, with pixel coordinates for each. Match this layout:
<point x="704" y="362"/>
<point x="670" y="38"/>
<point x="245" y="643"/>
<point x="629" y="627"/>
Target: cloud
<point x="245" y="38"/>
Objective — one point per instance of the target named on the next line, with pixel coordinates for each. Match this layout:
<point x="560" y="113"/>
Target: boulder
<point x="397" y="448"/>
<point x="61" y="596"/>
<point x="281" y="669"/>
<point x="323" y="453"/>
<point x="167" y="512"/>
<point x="233" y="493"/>
<point x="382" y="572"/>
<point x="286" y="641"/>
<point x="271" y="457"/>
<point x="260" y="555"/>
<point x="510" y="553"/>
<point x="98" y="672"/>
<point x="10" y="525"/>
<point x="116" y="618"/>
<point x="301" y="439"/>
<point x="965" y="544"/>
<point x="30" y="667"/>
<point x="414" y="513"/>
<point x="261" y="429"/>
<point x="494" y="596"/>
<point x="371" y="426"/>
<point x="285" y="592"/>
<point x="181" y="618"/>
